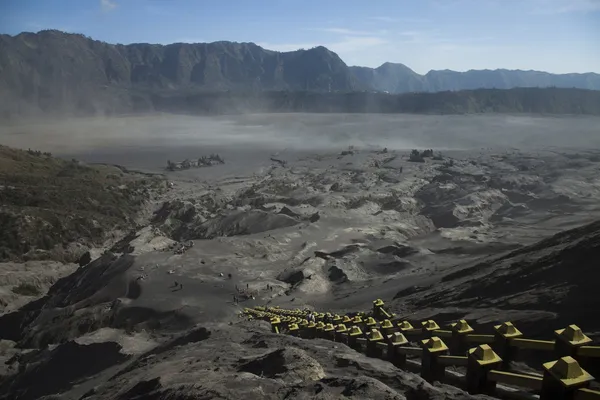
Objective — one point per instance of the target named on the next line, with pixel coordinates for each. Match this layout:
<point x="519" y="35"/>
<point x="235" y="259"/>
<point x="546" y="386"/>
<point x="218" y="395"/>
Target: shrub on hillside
<point x="415" y="156"/>
<point x="26" y="289"/>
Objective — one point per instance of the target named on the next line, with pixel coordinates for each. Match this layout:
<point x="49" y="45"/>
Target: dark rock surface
<point x="54" y="371"/>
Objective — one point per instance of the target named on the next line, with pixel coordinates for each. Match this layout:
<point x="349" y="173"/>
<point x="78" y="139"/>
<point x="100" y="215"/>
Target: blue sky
<point x="551" y="35"/>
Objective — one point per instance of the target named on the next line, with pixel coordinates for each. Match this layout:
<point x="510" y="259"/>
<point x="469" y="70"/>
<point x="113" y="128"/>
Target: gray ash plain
<point x="468" y="234"/>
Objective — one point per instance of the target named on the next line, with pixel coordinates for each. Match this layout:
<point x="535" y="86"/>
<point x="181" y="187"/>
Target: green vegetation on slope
<point x="46" y="204"/>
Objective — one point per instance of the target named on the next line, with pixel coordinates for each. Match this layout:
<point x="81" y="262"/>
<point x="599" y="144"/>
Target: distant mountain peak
<point x="388" y="64"/>
<point x="51" y="68"/>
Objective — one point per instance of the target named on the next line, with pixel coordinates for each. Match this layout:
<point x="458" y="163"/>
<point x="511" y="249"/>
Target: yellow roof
<point x="405" y="325"/>
<point x="434" y="345"/>
<point x="461" y="327"/>
<point x="573" y="335"/>
<point x="508" y="330"/>
<point x="568" y="371"/>
<point x="387" y="324"/>
<point x="375" y="336"/>
<point x="484" y="355"/>
<point x="355" y="331"/>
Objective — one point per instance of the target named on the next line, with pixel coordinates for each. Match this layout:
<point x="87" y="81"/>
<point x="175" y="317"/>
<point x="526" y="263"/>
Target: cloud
<point x="160" y="10"/>
<point x="412" y="33"/>
<point x="423" y="37"/>
<point x="188" y="40"/>
<point x="355" y="44"/>
<point x="108" y="5"/>
<point x="35" y="26"/>
<point x="287" y="46"/>
<point x="351" y="32"/>
<point x="401" y="19"/>
<point x="447" y="4"/>
<point x="549" y="7"/>
<point x="349" y="44"/>
<point x="344" y="40"/>
<point x="433" y="37"/>
<point x="352" y="44"/>
<point x="385" y="19"/>
<point x="374" y="47"/>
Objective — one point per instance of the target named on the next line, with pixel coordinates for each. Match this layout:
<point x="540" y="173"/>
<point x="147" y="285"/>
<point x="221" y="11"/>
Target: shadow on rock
<point x="12" y="324"/>
<point x="193" y="336"/>
<point x="86" y="301"/>
<point x="132" y="318"/>
<point x="89" y="281"/>
<point x="47" y="372"/>
<point x="290" y="364"/>
<point x="143" y="389"/>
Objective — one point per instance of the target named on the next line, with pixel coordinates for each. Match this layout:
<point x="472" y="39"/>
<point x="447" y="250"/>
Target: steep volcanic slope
<point x="77" y="303"/>
<point x="543" y="286"/>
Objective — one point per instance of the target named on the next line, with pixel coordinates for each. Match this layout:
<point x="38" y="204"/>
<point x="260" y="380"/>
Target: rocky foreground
<point x="458" y="235"/>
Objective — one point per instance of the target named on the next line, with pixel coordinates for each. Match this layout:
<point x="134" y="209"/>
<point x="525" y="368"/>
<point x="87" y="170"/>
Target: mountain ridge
<point x="64" y="73"/>
<point x="398" y="78"/>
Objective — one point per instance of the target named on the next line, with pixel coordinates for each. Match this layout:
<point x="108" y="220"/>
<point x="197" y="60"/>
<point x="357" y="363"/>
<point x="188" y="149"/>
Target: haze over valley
<point x="146" y="142"/>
